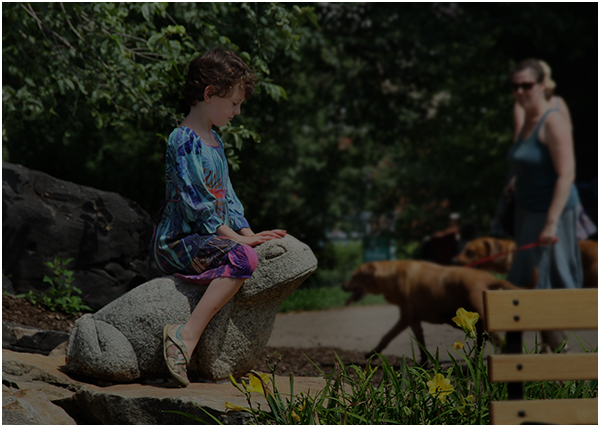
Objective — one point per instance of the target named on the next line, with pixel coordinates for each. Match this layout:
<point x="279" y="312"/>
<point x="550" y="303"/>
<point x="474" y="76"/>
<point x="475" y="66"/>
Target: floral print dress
<point x="199" y="199"/>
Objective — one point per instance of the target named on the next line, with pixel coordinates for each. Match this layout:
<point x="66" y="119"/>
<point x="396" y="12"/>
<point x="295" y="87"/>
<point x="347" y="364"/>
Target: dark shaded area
<point x="106" y="235"/>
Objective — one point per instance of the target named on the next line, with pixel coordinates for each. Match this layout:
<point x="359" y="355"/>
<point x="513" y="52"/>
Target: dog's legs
<point x="417" y="329"/>
<point x="387" y="338"/>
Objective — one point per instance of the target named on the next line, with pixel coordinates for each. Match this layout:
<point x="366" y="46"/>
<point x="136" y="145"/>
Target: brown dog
<point x="483" y="247"/>
<point x="424" y="292"/>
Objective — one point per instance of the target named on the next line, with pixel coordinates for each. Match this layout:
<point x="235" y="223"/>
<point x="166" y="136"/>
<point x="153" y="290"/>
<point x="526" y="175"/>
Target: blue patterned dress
<point x="199" y="199"/>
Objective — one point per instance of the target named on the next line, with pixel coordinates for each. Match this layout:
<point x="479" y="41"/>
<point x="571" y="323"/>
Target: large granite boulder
<point x="123" y="341"/>
<point x="107" y="235"/>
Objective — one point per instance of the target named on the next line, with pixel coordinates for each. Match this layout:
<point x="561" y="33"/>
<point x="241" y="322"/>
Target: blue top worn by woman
<point x="199" y="199"/>
<point x="558" y="265"/>
<point x="535" y="173"/>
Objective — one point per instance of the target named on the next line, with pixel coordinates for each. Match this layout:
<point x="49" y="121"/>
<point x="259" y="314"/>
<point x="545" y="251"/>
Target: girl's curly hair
<point x="221" y="69"/>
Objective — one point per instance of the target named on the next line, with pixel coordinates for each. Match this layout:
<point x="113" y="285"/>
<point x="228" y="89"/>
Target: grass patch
<point x="310" y="299"/>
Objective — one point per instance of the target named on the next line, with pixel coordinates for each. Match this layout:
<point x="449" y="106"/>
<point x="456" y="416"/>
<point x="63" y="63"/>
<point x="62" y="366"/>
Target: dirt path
<point x="361" y="328"/>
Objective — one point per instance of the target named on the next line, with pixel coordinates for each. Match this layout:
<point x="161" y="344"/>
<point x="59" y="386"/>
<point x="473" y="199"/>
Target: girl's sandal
<point x="175" y="353"/>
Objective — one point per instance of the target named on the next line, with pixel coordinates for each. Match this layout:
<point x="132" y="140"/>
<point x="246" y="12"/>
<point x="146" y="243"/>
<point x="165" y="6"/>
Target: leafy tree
<point x="90" y="90"/>
<point x="400" y="109"/>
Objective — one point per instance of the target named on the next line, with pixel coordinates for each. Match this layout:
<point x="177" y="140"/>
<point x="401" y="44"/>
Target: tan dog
<point x="483" y="247"/>
<point x="424" y="292"/>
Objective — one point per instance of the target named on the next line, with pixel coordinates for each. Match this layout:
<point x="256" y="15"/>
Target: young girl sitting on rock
<point x="202" y="235"/>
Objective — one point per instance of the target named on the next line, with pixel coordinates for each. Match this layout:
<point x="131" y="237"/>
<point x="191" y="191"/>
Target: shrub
<point x="61" y="295"/>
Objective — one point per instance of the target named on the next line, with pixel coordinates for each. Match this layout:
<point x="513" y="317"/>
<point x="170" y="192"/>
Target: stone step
<point x="35" y="377"/>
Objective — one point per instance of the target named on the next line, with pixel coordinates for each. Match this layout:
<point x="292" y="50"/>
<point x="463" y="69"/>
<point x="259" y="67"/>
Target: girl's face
<point x="525" y="88"/>
<point x="223" y="110"/>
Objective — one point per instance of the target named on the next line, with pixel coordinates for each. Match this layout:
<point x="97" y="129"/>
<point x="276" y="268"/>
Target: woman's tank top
<point x="535" y="173"/>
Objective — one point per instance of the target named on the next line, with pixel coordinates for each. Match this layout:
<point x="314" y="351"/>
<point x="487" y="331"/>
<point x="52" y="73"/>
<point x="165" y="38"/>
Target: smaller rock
<point x="29" y="339"/>
<point x="7" y="285"/>
<point x="60" y="350"/>
<point x="31" y="407"/>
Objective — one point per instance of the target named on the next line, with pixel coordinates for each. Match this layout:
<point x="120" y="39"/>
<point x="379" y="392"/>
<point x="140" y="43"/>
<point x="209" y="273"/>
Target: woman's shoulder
<point x="554" y="115"/>
<point x="558" y="100"/>
<point x="555" y="124"/>
<point x="553" y="118"/>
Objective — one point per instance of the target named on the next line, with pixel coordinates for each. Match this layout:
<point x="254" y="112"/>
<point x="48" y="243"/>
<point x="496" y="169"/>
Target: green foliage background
<point x="361" y="106"/>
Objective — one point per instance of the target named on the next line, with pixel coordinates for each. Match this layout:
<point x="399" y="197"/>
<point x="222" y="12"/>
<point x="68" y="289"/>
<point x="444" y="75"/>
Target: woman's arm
<point x="558" y="138"/>
<point x="518" y="120"/>
<point x="564" y="109"/>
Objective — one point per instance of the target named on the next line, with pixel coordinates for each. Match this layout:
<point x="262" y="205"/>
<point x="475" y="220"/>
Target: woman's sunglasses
<point x="525" y="86"/>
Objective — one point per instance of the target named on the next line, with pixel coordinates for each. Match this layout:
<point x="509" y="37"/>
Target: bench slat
<point x="555" y="411"/>
<point x="541" y="310"/>
<point x="542" y="367"/>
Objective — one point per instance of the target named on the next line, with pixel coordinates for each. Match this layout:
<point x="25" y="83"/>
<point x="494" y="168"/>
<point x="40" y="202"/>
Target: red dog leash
<point x="498" y="255"/>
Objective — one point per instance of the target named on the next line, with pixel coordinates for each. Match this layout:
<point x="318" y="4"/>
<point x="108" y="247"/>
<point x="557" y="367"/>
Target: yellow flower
<point x="467" y="403"/>
<point x="440" y="387"/>
<point x="234" y="407"/>
<point x="466" y="320"/>
<point x="295" y="416"/>
<point x="458" y="345"/>
<point x="256" y="385"/>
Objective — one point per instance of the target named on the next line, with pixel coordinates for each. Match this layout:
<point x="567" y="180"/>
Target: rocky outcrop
<point x="36" y="388"/>
<point x="30" y="383"/>
<point x="106" y="234"/>
<point x="123" y="341"/>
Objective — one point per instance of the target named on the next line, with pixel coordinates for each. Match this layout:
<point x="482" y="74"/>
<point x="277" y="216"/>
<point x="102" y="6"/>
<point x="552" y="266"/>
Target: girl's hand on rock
<point x="274" y="234"/>
<point x="261" y="237"/>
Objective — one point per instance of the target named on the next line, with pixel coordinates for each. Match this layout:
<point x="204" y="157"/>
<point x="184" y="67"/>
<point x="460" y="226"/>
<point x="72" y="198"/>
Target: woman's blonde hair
<point x="550" y="84"/>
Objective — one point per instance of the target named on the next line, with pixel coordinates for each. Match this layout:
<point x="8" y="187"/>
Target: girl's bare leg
<point x="220" y="290"/>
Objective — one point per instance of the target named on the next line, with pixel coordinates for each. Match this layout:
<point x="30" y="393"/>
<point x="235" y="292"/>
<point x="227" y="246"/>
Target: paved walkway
<point x="360" y="328"/>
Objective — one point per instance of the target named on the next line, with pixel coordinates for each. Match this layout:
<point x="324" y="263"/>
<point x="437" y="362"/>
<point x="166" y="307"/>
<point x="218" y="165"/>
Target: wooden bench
<point x="541" y="310"/>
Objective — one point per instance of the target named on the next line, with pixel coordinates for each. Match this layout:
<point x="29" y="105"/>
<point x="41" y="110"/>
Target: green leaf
<point x="146" y="12"/>
<point x="153" y="41"/>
